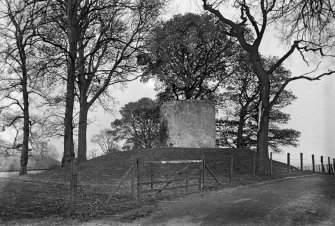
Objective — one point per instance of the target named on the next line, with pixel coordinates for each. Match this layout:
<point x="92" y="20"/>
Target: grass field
<point x="45" y="197"/>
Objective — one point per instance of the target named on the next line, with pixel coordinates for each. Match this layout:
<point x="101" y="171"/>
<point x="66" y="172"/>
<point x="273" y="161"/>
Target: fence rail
<point x="186" y="176"/>
<point x="18" y="170"/>
<point x="310" y="163"/>
<point x="154" y="177"/>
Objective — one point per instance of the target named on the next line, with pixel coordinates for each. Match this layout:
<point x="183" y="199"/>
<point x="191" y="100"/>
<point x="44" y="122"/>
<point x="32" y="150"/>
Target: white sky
<point x="312" y="113"/>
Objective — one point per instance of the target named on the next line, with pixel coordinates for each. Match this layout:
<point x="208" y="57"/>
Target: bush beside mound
<point x="12" y="163"/>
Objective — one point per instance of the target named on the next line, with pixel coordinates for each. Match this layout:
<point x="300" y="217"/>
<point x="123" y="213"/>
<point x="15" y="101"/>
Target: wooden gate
<point x="139" y="181"/>
<point x="184" y="182"/>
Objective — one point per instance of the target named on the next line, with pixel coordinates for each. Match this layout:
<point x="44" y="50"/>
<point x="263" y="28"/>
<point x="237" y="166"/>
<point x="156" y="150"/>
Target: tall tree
<point x="258" y="16"/>
<point x="190" y="55"/>
<point x="59" y="32"/>
<point x="139" y="124"/>
<point x="22" y="68"/>
<point x="243" y="96"/>
<point x="108" y="46"/>
<point x="106" y="37"/>
<point x="72" y="20"/>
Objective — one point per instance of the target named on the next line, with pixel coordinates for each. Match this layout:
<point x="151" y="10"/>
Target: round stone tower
<point x="188" y="123"/>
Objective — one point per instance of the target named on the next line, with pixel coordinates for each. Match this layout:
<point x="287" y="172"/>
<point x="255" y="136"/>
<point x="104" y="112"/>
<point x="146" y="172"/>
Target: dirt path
<point x="301" y="201"/>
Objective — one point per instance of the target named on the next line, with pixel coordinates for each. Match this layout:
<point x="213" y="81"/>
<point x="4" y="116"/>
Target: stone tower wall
<point x="188" y="123"/>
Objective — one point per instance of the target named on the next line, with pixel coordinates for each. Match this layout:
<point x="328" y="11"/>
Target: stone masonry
<point x="188" y="123"/>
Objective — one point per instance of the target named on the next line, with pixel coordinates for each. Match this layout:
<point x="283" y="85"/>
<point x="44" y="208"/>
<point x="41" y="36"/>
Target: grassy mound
<point x="110" y="168"/>
<point x="47" y="194"/>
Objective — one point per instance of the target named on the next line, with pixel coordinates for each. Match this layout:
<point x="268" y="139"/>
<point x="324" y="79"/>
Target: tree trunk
<point x="68" y="154"/>
<point x="82" y="144"/>
<point x="239" y="140"/>
<point x="263" y="130"/>
<point x="83" y="85"/>
<point x="264" y="113"/>
<point x="25" y="143"/>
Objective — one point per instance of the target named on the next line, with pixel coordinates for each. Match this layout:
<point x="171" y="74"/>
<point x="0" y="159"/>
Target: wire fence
<point x="113" y="188"/>
<point x="312" y="162"/>
<point x="146" y="179"/>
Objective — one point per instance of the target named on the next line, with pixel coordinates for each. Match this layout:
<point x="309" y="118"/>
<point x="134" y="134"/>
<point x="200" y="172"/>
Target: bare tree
<point x="109" y="56"/>
<point x="100" y="41"/>
<point x="21" y="66"/>
<point x="106" y="141"/>
<point x="313" y="21"/>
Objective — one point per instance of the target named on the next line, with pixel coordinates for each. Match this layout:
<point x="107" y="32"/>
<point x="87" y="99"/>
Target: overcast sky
<point x="312" y="113"/>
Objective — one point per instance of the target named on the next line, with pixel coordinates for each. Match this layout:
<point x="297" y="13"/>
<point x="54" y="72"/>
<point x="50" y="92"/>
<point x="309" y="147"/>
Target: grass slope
<point x="110" y="168"/>
<point x="46" y="195"/>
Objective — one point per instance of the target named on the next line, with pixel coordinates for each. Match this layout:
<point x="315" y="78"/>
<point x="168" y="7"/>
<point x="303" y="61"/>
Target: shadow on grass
<point x="23" y="199"/>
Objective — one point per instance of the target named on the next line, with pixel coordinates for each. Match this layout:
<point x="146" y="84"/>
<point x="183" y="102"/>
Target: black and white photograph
<point x="167" y="112"/>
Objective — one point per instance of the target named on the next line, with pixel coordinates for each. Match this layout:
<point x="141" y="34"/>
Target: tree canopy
<point x="97" y="41"/>
<point x="190" y="55"/>
<point x="258" y="17"/>
<point x="139" y="124"/>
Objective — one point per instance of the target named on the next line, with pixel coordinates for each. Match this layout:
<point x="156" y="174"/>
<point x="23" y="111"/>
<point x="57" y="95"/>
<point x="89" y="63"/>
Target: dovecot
<point x="188" y="123"/>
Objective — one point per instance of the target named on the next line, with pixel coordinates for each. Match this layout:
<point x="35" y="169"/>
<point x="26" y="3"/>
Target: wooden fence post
<point x="313" y="163"/>
<point x="203" y="171"/>
<point x="322" y="166"/>
<point x="329" y="166"/>
<point x="186" y="181"/>
<point x="334" y="164"/>
<point x="139" y="179"/>
<point x="254" y="164"/>
<point x="73" y="186"/>
<point x="133" y="175"/>
<point x="288" y="162"/>
<point x="151" y="175"/>
<point x="231" y="168"/>
<point x="301" y="162"/>
<point x="270" y="163"/>
<point x="200" y="176"/>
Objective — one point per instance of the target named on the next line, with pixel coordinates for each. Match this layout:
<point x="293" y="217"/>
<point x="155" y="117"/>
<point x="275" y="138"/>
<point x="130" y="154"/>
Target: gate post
<point x="254" y="164"/>
<point x="139" y="182"/>
<point x="270" y="163"/>
<point x="231" y="167"/>
<point x="203" y="171"/>
<point x="186" y="181"/>
<point x="288" y="163"/>
<point x="73" y="186"/>
<point x="151" y="175"/>
<point x="313" y="162"/>
<point x="133" y="175"/>
<point x="200" y="176"/>
<point x="301" y="162"/>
